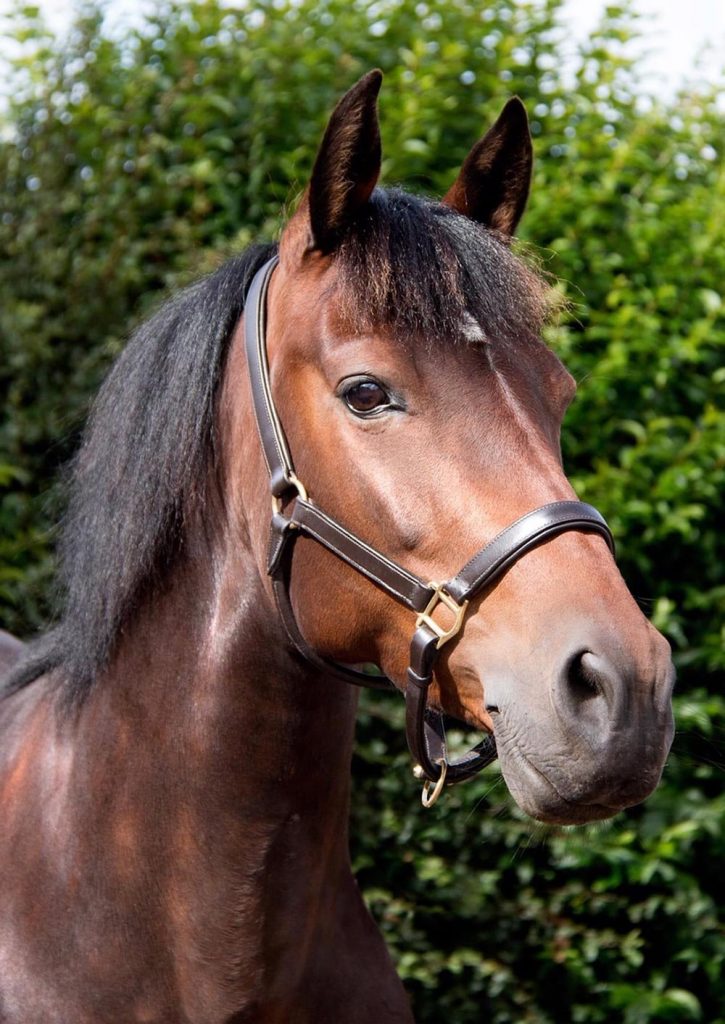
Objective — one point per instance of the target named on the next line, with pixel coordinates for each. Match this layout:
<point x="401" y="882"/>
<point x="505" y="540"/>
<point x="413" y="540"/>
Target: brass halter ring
<point x="428" y="798"/>
<point x="293" y="481"/>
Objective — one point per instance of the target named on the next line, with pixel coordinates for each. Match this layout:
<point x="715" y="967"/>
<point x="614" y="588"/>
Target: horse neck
<point x="224" y="763"/>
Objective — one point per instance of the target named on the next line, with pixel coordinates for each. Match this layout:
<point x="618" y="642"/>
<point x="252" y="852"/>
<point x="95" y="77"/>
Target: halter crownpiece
<point x="424" y="725"/>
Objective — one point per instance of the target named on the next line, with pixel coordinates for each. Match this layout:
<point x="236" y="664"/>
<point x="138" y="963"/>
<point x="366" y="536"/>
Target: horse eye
<point x="365" y="396"/>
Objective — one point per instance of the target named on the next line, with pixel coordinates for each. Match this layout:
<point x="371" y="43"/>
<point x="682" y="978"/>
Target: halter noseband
<point x="424" y="725"/>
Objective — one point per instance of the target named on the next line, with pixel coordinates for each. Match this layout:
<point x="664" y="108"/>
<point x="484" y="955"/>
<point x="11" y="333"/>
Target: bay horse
<point x="175" y="753"/>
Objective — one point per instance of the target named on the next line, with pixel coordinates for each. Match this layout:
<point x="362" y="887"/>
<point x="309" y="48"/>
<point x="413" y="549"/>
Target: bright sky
<point x="676" y="31"/>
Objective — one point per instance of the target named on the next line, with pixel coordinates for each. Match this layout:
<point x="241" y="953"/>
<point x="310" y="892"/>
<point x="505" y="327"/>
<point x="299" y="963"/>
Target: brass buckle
<point x="425" y="617"/>
<point x="293" y="481"/>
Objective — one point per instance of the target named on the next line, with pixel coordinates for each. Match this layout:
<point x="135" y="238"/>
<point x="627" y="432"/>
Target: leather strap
<point x="424" y="726"/>
<point x="380" y="570"/>
<point x="271" y="434"/>
<point x="283" y="537"/>
<point x="521" y="536"/>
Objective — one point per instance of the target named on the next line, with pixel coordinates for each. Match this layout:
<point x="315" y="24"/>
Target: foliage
<point x="132" y="161"/>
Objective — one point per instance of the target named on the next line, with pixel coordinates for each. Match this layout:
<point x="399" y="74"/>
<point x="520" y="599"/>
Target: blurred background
<point x="140" y="147"/>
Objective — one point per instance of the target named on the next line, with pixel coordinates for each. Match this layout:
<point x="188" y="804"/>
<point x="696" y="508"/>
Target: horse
<point x="11" y="650"/>
<point x="175" y="752"/>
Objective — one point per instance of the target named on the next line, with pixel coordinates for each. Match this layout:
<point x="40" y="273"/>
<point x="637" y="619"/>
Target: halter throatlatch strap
<point x="424" y="725"/>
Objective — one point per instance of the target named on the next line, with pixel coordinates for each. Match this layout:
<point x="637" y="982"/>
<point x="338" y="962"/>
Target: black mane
<point x="143" y="469"/>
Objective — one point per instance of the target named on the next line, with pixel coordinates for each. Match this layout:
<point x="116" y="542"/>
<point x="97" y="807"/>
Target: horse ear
<point x="348" y="163"/>
<point x="493" y="184"/>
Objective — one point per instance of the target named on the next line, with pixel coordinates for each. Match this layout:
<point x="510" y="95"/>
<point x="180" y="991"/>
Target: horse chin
<point x="555" y="802"/>
<point x="539" y="798"/>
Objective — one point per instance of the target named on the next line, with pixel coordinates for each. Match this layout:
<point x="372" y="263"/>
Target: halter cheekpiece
<point x="424" y="725"/>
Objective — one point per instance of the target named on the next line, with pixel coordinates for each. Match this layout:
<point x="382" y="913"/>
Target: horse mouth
<point x="536" y="793"/>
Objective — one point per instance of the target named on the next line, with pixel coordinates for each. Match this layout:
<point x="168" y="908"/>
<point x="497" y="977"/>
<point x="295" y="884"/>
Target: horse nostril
<point x="584" y="682"/>
<point x="586" y="695"/>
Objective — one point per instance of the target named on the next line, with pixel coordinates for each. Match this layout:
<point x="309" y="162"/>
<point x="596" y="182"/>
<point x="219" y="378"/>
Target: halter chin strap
<point x="424" y="725"/>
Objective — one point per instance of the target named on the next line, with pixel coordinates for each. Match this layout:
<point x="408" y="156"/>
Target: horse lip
<point x="574" y="811"/>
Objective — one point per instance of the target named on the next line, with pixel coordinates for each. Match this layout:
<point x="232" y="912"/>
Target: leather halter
<point x="424" y="725"/>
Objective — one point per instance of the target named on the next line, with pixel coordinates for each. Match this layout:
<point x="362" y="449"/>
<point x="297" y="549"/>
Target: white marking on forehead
<point x="471" y="329"/>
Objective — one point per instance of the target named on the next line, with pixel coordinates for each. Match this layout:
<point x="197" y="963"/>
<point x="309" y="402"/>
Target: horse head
<point x="423" y="411"/>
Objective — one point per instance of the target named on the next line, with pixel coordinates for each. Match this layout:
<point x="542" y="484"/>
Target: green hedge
<point x="131" y="162"/>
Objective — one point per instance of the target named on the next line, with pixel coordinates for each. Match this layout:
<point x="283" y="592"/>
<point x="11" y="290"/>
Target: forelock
<point x="415" y="267"/>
